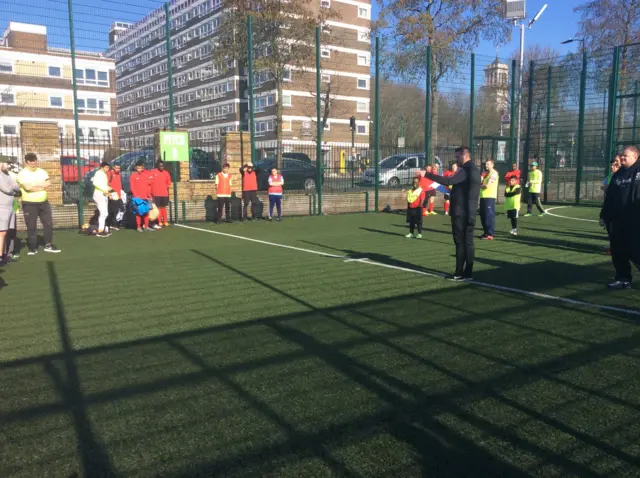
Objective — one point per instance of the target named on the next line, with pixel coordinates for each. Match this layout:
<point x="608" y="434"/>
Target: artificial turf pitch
<point x="185" y="353"/>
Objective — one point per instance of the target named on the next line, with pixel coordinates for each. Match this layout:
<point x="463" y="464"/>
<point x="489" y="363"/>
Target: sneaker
<point x="433" y="213"/>
<point x="515" y="232"/>
<point x="51" y="248"/>
<point x="527" y="214"/>
<point x="446" y="213"/>
<point x="279" y="219"/>
<point x="484" y="236"/>
<point x="419" y="236"/>
<point x="149" y="229"/>
<point x="456" y="278"/>
<point x="115" y="228"/>
<point x="409" y="236"/>
<point x="619" y="285"/>
<point x="103" y="234"/>
<point x="140" y="229"/>
<point x="269" y="219"/>
<point x="12" y="257"/>
<point x="157" y="226"/>
<point x="487" y="238"/>
<point x="32" y="252"/>
<point x="543" y="213"/>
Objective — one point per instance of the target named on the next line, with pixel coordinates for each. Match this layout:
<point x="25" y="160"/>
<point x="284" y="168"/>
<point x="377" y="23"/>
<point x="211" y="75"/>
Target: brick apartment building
<point x="210" y="100"/>
<point x="36" y="86"/>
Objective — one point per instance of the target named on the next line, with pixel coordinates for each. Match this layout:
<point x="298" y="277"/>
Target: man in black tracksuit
<point x="464" y="205"/>
<point x="621" y="210"/>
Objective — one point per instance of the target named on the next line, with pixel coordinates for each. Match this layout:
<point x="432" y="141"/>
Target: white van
<point x="398" y="170"/>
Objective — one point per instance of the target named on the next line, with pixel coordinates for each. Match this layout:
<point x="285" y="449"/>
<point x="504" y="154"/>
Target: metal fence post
<point x="76" y="119"/>
<point x="172" y="124"/>
<point x="583" y="88"/>
<point x="427" y="124"/>
<point x="611" y="113"/>
<point x="512" y="114"/>
<point x="635" y="112"/>
<point x="472" y="103"/>
<point x="527" y="140"/>
<point x="547" y="136"/>
<point x="319" y="125"/>
<point x="252" y="138"/>
<point x="377" y="128"/>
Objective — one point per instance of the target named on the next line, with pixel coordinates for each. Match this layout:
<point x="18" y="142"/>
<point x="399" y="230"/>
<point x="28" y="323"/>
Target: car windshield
<point x="391" y="162"/>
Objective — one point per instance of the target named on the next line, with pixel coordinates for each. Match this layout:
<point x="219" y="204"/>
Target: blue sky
<point x="93" y="18"/>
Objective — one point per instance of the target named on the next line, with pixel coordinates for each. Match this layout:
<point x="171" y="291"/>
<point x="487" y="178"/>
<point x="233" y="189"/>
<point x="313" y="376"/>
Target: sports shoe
<point x="446" y="213"/>
<point x="140" y="229"/>
<point x="103" y="234"/>
<point x="527" y="214"/>
<point x="543" y="213"/>
<point x="619" y="285"/>
<point x="433" y="213"/>
<point x="12" y="257"/>
<point x="487" y="238"/>
<point x="419" y="236"/>
<point x="115" y="228"/>
<point x="157" y="226"/>
<point x="148" y="229"/>
<point x="279" y="219"/>
<point x="409" y="236"/>
<point x="515" y="232"/>
<point x="51" y="248"/>
<point x="32" y="252"/>
<point x="456" y="278"/>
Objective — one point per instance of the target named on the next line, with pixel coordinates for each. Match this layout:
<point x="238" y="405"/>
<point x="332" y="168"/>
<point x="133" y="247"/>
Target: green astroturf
<point x="183" y="353"/>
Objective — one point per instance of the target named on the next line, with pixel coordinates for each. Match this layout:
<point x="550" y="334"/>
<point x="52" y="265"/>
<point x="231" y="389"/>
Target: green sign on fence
<point x="174" y="146"/>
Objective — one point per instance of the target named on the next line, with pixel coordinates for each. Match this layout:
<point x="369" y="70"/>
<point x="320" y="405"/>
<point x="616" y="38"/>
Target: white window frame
<point x="54" y="76"/>
<point x="13" y="99"/>
<point x="290" y="78"/>
<point x="367" y="12"/>
<point x="55" y="106"/>
<point x="363" y="60"/>
<point x="366" y="80"/>
<point x="15" y="129"/>
<point x="365" y="132"/>
<point x="325" y="53"/>
<point x="363" y="36"/>
<point x="287" y="104"/>
<point x="325" y="78"/>
<point x="362" y="106"/>
<point x="10" y="63"/>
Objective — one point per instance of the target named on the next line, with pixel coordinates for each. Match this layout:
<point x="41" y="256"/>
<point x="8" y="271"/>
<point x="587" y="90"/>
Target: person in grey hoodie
<point x="8" y="190"/>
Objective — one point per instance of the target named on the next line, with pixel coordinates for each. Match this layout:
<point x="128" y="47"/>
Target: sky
<point x="93" y="18"/>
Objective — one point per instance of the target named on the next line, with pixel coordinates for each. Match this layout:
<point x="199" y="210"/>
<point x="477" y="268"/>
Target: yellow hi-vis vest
<point x="491" y="183"/>
<point x="512" y="202"/>
<point x="535" y="181"/>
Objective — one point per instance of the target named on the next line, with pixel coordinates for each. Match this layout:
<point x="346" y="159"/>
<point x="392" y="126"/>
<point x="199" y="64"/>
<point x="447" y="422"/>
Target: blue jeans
<point x="488" y="215"/>
<point x="276" y="201"/>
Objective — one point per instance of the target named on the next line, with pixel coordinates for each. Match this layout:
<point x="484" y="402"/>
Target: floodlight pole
<point x="520" y="76"/>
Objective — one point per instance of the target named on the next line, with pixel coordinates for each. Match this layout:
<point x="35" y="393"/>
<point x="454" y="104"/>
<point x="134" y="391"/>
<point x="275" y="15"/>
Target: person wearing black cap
<point x="534" y="184"/>
<point x="464" y="205"/>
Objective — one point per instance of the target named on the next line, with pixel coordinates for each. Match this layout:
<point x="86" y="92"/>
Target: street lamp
<point x="515" y="16"/>
<point x="571" y="40"/>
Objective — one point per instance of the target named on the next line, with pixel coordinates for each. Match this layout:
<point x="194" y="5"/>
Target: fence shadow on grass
<point x="313" y="385"/>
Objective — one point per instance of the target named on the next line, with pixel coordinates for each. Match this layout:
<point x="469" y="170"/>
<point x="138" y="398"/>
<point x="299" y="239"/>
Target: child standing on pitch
<point x="275" y="193"/>
<point x="140" y="184"/>
<point x="415" y="199"/>
<point x="512" y="202"/>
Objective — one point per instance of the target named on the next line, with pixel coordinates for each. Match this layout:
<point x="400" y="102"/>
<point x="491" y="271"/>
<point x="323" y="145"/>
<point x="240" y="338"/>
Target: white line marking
<point x="364" y="260"/>
<point x="567" y="217"/>
<point x="333" y="256"/>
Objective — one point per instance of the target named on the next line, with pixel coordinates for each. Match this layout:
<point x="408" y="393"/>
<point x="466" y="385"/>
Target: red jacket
<point x="510" y="174"/>
<point x="115" y="182"/>
<point x="160" y="182"/>
<point x="140" y="184"/>
<point x="249" y="180"/>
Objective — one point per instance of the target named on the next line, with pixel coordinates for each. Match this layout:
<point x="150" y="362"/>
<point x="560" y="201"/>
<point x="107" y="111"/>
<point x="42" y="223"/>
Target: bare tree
<point x="283" y="38"/>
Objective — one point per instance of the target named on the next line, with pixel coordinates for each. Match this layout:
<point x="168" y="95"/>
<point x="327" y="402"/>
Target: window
<point x="9" y="129"/>
<point x="80" y="76"/>
<point x="55" y="71"/>
<point x="55" y="101"/>
<point x="93" y="77"/>
<point x="6" y="67"/>
<point x="325" y="53"/>
<point x="363" y="35"/>
<point x="363" y="12"/>
<point x="325" y="3"/>
<point x="103" y="78"/>
<point x="325" y="78"/>
<point x="361" y="129"/>
<point x="286" y="125"/>
<point x="286" y="100"/>
<point x="363" y="84"/>
<point x="363" y="60"/>
<point x="286" y="74"/>
<point x="90" y="77"/>
<point x="81" y="106"/>
<point x="7" y="99"/>
<point x="327" y="125"/>
<point x="363" y="107"/>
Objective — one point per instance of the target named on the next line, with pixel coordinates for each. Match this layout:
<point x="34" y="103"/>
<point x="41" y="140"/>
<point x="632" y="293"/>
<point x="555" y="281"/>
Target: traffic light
<point x="352" y="123"/>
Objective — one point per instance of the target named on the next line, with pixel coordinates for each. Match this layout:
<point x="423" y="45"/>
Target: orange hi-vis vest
<point x="223" y="185"/>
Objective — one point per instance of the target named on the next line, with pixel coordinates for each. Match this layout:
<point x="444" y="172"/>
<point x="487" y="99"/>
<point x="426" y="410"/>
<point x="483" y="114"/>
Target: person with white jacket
<point x="8" y="190"/>
<point x="101" y="192"/>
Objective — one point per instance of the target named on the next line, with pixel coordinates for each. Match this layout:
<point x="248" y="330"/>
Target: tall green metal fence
<point x="330" y="112"/>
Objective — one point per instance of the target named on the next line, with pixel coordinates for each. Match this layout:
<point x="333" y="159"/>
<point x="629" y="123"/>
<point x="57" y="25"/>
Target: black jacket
<point x="622" y="200"/>
<point x="466" y="189"/>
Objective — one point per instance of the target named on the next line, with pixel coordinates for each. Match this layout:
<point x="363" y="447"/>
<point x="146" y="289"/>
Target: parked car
<point x="297" y="174"/>
<point x="69" y="167"/>
<point x="127" y="163"/>
<point x="398" y="170"/>
<point x="203" y="165"/>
